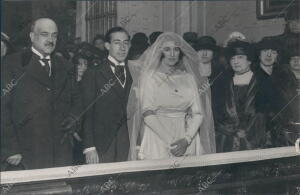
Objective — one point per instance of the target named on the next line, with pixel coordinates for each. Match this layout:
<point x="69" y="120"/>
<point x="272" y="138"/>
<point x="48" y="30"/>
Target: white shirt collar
<point x="42" y="57"/>
<point x="113" y="60"/>
<point x="242" y="79"/>
<point x="39" y="54"/>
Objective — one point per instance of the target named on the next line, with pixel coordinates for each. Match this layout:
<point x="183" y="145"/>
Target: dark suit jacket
<point x="33" y="106"/>
<point x="105" y="102"/>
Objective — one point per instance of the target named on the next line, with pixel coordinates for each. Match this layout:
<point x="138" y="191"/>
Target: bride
<point x="170" y="108"/>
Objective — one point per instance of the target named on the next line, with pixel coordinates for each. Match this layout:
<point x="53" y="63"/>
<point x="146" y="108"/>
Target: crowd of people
<point x="162" y="96"/>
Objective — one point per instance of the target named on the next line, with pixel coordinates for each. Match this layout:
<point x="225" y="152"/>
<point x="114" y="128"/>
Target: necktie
<point x="47" y="65"/>
<point x="119" y="72"/>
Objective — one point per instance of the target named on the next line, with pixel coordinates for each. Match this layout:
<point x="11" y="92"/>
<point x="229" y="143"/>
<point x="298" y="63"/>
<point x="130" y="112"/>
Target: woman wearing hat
<point x="291" y="32"/>
<point x="292" y="130"/>
<point x="242" y="126"/>
<point x="294" y="62"/>
<point x="280" y="85"/>
<point x="84" y="58"/>
<point x="139" y="44"/>
<point x="210" y="67"/>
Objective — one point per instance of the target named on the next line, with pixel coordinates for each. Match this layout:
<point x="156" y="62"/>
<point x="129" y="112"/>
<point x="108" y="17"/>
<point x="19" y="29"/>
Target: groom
<point x="105" y="94"/>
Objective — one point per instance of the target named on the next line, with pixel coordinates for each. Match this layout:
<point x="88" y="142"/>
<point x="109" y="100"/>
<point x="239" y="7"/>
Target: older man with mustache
<point x="42" y="107"/>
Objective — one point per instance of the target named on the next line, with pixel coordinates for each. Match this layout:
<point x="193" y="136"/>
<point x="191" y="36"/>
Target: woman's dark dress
<point x="241" y="115"/>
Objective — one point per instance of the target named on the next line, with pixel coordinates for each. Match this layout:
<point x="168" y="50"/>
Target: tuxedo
<point x="34" y="108"/>
<point x="105" y="99"/>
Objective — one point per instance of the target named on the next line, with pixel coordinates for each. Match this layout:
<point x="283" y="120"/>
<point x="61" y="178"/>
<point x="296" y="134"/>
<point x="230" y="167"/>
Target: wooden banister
<point x="11" y="177"/>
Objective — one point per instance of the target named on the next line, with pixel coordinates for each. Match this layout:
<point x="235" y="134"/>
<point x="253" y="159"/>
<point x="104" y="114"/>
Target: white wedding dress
<point x="171" y="97"/>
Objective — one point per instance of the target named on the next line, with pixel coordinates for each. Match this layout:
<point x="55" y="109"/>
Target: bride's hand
<point x="179" y="147"/>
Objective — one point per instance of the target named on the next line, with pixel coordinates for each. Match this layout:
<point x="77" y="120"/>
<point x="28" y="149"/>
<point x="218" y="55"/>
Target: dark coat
<point x="281" y="85"/>
<point x="33" y="107"/>
<point x="249" y="119"/>
<point x="105" y="104"/>
<point x="217" y="87"/>
<point x="280" y="105"/>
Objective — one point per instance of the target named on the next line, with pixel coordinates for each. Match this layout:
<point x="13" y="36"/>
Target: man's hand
<point x="91" y="157"/>
<point x="15" y="159"/>
<point x="179" y="147"/>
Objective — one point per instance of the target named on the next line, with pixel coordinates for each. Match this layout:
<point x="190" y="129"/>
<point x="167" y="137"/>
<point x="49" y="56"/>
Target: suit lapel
<point x="107" y="73"/>
<point x="128" y="80"/>
<point x="59" y="75"/>
<point x="109" y="77"/>
<point x="37" y="72"/>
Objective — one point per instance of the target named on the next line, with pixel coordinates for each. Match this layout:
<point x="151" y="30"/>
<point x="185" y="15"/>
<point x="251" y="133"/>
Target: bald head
<point x="43" y="35"/>
<point x="41" y="22"/>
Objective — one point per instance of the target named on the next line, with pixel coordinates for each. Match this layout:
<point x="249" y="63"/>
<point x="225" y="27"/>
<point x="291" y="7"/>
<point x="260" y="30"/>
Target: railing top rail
<point x="146" y="165"/>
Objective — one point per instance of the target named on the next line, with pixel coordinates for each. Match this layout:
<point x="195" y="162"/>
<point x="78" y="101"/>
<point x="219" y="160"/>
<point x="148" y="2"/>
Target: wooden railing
<point x="166" y="175"/>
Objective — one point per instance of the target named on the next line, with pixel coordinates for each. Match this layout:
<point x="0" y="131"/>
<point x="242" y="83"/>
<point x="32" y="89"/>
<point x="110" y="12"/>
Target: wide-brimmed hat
<point x="153" y="36"/>
<point x="239" y="48"/>
<point x="206" y="42"/>
<point x="267" y="43"/>
<point x="190" y="38"/>
<point x="139" y="38"/>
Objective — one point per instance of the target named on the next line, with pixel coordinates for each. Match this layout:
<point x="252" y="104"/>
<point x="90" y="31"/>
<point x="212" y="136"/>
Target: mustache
<point x="49" y="44"/>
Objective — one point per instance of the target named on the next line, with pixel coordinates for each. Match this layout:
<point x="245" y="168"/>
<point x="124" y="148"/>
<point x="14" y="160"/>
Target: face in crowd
<point x="205" y="56"/>
<point x="295" y="63"/>
<point x="240" y="64"/>
<point x="170" y="53"/>
<point x="81" y="66"/>
<point x="100" y="44"/>
<point x="268" y="57"/>
<point x="44" y="36"/>
<point x="119" y="46"/>
<point x="294" y="25"/>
